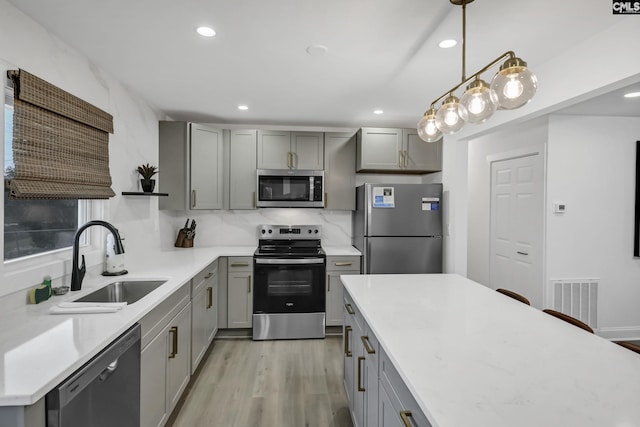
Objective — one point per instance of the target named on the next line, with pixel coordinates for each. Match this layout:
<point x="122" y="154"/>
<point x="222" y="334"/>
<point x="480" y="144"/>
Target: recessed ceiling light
<point x="317" y="50"/>
<point x="632" y="95"/>
<point x="206" y="31"/>
<point x="378" y="112"/>
<point x="242" y="107"/>
<point x="446" y="44"/>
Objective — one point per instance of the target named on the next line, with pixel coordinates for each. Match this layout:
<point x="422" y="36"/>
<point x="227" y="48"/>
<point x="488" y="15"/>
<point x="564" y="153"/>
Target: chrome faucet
<point x="77" y="273"/>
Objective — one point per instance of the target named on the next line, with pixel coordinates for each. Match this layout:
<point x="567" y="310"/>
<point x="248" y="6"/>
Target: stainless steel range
<point x="289" y="270"/>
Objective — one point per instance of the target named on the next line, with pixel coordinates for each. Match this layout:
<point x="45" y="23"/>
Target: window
<point x="34" y="226"/>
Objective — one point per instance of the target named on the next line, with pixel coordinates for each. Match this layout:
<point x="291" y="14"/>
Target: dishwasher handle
<point x="100" y="367"/>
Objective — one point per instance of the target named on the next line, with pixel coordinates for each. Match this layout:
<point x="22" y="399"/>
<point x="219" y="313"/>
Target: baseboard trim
<point x="620" y="334"/>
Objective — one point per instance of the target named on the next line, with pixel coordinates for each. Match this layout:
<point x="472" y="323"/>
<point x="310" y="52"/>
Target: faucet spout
<point x="77" y="273"/>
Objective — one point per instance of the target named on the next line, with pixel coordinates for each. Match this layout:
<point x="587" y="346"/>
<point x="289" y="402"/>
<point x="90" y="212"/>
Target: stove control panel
<point x="289" y="232"/>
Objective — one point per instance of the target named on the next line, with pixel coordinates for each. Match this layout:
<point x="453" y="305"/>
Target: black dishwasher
<point x="105" y="392"/>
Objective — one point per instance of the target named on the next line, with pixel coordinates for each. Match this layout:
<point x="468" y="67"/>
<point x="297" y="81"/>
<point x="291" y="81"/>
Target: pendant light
<point x="512" y="87"/>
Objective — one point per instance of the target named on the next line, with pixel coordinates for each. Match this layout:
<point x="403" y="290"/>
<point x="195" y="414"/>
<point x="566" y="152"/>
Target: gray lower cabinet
<point x="239" y="292"/>
<point x="204" y="313"/>
<point x="377" y="394"/>
<point x="340" y="170"/>
<point x="242" y="169"/>
<point x="337" y="266"/>
<point x="396" y="150"/>
<point x="165" y="363"/>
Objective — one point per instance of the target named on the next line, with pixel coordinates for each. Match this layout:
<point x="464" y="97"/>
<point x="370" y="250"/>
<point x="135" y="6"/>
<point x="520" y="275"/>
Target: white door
<point x="517" y="212"/>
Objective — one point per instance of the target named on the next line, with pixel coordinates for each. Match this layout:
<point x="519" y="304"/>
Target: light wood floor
<point x="289" y="383"/>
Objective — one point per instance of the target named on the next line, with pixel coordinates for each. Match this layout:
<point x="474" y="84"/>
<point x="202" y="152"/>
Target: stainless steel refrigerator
<point x="398" y="228"/>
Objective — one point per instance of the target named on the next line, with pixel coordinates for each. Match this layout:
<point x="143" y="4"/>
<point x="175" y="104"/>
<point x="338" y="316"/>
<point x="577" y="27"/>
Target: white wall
<point x="591" y="167"/>
<point x="25" y="44"/>
<point x="532" y="136"/>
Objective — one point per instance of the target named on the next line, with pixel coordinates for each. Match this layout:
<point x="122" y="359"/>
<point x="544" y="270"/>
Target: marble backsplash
<point x="239" y="227"/>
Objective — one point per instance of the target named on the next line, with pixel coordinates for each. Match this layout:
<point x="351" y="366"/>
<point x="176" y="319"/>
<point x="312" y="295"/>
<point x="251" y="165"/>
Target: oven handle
<point x="289" y="261"/>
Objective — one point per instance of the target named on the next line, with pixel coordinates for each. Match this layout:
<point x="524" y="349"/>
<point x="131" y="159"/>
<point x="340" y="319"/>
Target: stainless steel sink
<point x="128" y="291"/>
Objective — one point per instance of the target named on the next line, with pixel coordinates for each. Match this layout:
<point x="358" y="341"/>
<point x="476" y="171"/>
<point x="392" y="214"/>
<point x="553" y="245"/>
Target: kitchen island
<point x="469" y="356"/>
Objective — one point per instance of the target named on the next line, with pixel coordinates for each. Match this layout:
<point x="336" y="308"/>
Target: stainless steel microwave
<point x="290" y="188"/>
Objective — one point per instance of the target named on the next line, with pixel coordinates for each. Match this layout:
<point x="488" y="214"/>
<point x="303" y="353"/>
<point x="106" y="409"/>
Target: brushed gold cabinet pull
<point x="253" y="200"/>
<point x="360" y="387"/>
<point x="193" y="198"/>
<point x="289" y="159"/>
<point x="209" y="297"/>
<point x="343" y="264"/>
<point x="248" y="284"/>
<point x="239" y="264"/>
<point x="174" y="342"/>
<point x="367" y="345"/>
<point x="347" y="350"/>
<point x="404" y="415"/>
<point x="400" y="159"/>
<point x="406" y="159"/>
<point x="328" y="283"/>
<point x="326" y="197"/>
<point x="208" y="275"/>
<point x="350" y="309"/>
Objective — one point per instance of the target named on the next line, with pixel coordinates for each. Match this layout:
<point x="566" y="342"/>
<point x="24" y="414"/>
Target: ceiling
<point x="380" y="54"/>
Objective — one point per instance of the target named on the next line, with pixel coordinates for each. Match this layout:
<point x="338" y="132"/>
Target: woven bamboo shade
<point x="60" y="143"/>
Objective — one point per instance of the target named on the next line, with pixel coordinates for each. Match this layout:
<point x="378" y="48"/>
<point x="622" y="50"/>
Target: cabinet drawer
<point x="400" y="396"/>
<point x="156" y="320"/>
<point x="240" y="263"/>
<point x="199" y="280"/>
<point x="343" y="263"/>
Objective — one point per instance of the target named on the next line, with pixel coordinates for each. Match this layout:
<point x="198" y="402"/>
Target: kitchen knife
<point x="186" y="224"/>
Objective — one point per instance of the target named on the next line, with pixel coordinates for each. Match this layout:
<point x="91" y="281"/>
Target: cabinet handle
<point x="328" y="283"/>
<point x="349" y="309"/>
<point x="208" y="275"/>
<point x="360" y="387"/>
<point x="253" y="200"/>
<point x="400" y="159"/>
<point x="343" y="264"/>
<point x="289" y="159"/>
<point x="404" y="415"/>
<point x="239" y="264"/>
<point x="193" y="198"/>
<point x="174" y="341"/>
<point x="326" y="197"/>
<point x="347" y="350"/>
<point x="406" y="159"/>
<point x="209" y="297"/>
<point x="522" y="253"/>
<point x="248" y="284"/>
<point x="367" y="345"/>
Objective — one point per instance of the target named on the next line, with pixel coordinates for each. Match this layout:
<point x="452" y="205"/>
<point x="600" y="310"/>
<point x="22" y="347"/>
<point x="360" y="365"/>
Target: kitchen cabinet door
<point x="307" y="150"/>
<point x="336" y="266"/>
<point x="242" y="169"/>
<point x="240" y="292"/>
<point x="207" y="167"/>
<point x="178" y="356"/>
<point x="274" y="149"/>
<point x="340" y="171"/>
<point x="204" y="316"/>
<point x="153" y="383"/>
<point x="387" y="416"/>
<point x="347" y="346"/>
<point x="379" y="149"/>
<point x="421" y="156"/>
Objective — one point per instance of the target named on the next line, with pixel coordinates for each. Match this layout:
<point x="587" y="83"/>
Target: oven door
<point x="289" y="285"/>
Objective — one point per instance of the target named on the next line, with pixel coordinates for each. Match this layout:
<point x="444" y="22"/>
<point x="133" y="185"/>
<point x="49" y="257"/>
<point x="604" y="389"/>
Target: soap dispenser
<point x="113" y="263"/>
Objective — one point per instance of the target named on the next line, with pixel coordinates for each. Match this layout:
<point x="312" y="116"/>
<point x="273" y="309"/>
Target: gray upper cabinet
<point x="419" y="155"/>
<point x="207" y="167"/>
<point x="192" y="166"/>
<point x="242" y="169"/>
<point x="290" y="150"/>
<point x="340" y="170"/>
<point x="396" y="150"/>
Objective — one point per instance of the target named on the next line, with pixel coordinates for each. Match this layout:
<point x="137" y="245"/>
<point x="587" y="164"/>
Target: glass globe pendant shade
<point x="427" y="129"/>
<point x="476" y="105"/>
<point x="447" y="118"/>
<point x="514" y="85"/>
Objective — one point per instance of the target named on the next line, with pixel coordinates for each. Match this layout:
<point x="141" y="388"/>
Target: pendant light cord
<point x="464" y="38"/>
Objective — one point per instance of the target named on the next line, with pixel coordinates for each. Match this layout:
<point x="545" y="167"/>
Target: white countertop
<point x="38" y="350"/>
<point x="341" y="251"/>
<point x="473" y="357"/>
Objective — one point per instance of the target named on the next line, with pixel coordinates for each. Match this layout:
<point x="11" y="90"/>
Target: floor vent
<point x="577" y="298"/>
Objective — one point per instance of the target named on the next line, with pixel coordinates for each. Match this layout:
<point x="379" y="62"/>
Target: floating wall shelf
<point x="140" y="193"/>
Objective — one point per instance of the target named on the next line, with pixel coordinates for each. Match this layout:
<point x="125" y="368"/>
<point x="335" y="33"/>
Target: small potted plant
<point x="147" y="172"/>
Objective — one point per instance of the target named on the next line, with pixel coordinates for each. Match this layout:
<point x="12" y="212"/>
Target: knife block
<point x="182" y="241"/>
